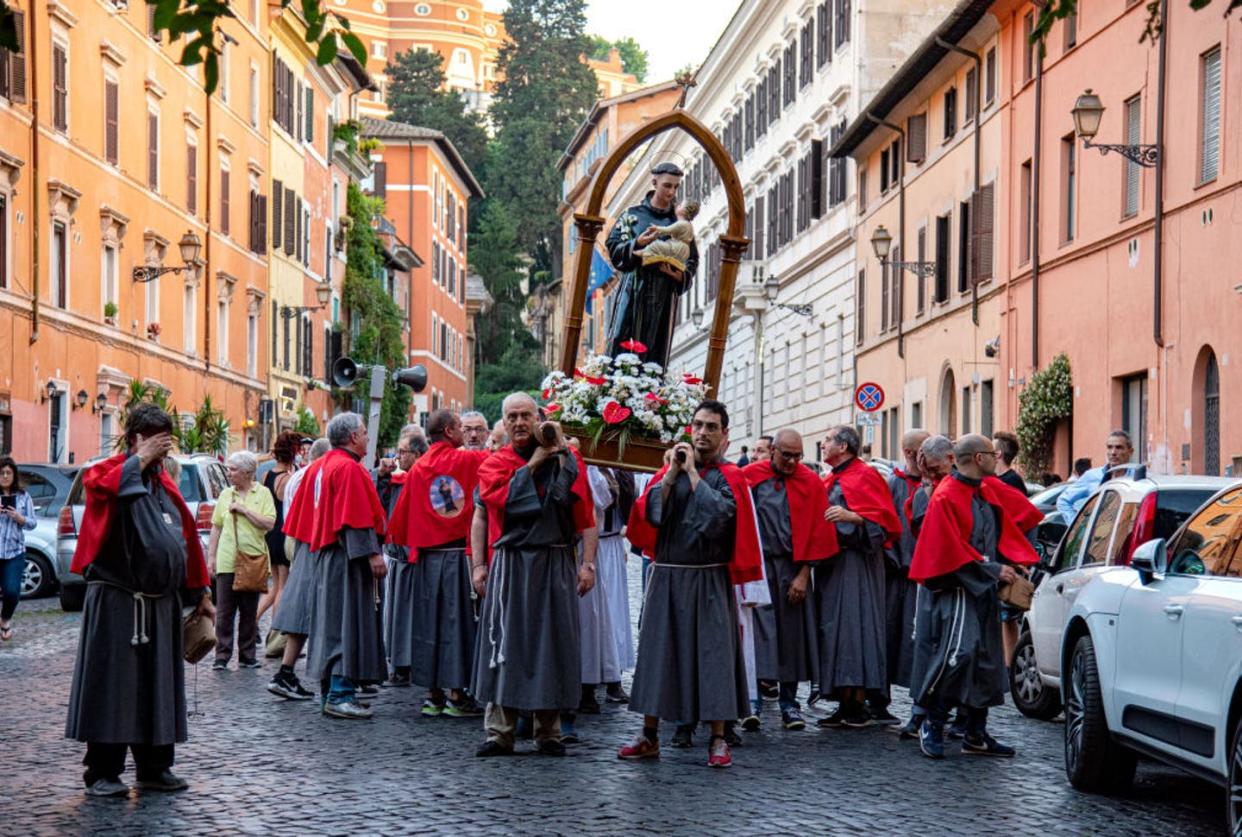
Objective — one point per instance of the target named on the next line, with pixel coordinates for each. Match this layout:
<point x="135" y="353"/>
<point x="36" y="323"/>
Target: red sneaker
<point x="642" y="747"/>
<point x="719" y="754"/>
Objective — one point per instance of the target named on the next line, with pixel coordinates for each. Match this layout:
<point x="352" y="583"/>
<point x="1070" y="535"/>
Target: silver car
<point x="202" y="479"/>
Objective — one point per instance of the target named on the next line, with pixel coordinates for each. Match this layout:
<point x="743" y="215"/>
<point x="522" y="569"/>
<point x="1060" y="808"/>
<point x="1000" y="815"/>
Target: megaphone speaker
<point x="414" y="377"/>
<point x="344" y="372"/>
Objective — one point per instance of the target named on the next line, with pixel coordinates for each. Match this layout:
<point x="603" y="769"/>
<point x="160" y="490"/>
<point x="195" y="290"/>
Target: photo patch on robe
<point x="447" y="496"/>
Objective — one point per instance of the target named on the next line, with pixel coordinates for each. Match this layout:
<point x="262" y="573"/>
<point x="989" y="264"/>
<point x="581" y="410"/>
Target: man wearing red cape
<point x="432" y="520"/>
<point x="533" y="504"/>
<point x="849" y="588"/>
<point x="790" y="503"/>
<point x="337" y="514"/>
<point x="971" y="540"/>
<point x="697" y="522"/>
<point x="139" y="551"/>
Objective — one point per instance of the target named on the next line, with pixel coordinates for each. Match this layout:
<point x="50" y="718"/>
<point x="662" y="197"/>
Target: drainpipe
<point x="1036" y="156"/>
<point x="35" y="181"/>
<point x="974" y="56"/>
<point x="901" y="231"/>
<point x="1158" y="226"/>
<point x="207" y="237"/>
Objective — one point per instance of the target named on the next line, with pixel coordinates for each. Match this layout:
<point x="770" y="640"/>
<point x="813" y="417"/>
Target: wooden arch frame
<point x="733" y="242"/>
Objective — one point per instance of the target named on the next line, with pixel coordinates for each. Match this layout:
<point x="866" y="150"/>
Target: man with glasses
<point x="474" y="430"/>
<point x="399" y="594"/>
<point x="970" y="542"/>
<point x="790" y="503"/>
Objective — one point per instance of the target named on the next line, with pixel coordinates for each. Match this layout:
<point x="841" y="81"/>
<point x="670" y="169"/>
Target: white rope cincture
<point x="497" y="655"/>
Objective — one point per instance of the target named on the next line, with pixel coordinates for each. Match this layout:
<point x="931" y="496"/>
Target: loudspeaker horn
<point x="414" y="377"/>
<point x="344" y="372"/>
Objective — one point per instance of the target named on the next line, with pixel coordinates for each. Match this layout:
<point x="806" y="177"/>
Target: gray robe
<point x="126" y="690"/>
<point x="849" y="601"/>
<point x="690" y="665"/>
<point x="297" y="600"/>
<point x="344" y="638"/>
<point x="960" y="658"/>
<point x="398" y="586"/>
<point x="528" y="651"/>
<point x="785" y="634"/>
<point x="443" y="621"/>
<point x="901" y="594"/>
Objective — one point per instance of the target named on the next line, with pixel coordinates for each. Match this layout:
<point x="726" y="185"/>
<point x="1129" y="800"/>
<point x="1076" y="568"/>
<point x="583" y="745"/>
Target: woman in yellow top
<point x="244" y="512"/>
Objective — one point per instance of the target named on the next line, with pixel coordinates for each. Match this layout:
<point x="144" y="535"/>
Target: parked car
<point x="1045" y="499"/>
<point x="1121" y="514"/>
<point x="1154" y="659"/>
<point x="48" y="486"/>
<point x="202" y="479"/>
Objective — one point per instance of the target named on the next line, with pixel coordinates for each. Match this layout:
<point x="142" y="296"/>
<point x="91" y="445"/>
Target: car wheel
<point x="1032" y="697"/>
<point x="72" y="597"/>
<point x="1094" y="762"/>
<point x="1233" y="799"/>
<point x="38" y="580"/>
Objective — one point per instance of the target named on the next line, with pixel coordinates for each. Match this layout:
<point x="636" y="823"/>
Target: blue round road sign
<point x="869" y="397"/>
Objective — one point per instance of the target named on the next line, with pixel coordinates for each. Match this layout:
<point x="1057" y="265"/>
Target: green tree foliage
<point x="208" y="432"/>
<point x="375" y="320"/>
<point x="494" y="257"/>
<point x="517" y="370"/>
<point x="1057" y="9"/>
<point x="1047" y="400"/>
<point x="416" y="96"/>
<point x="633" y="57"/>
<point x="306" y="423"/>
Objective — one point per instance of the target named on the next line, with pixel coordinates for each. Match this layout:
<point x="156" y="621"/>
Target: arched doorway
<point x="1211" y="417"/>
<point x="948" y="404"/>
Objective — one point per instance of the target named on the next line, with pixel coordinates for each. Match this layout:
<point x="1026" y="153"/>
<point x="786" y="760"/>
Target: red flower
<point x="599" y="382"/>
<point x="687" y="431"/>
<point x="614" y="413"/>
<point x="691" y="380"/>
<point x="578" y="373"/>
<point x="633" y="346"/>
<point x="547" y="393"/>
<point x="655" y="399"/>
<point x="552" y="407"/>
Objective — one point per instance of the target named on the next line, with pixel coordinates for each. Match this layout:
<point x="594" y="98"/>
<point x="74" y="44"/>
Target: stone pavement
<point x="259" y="765"/>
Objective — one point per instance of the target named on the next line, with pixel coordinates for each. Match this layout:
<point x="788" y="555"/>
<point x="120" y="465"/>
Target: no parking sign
<point x="869" y="397"/>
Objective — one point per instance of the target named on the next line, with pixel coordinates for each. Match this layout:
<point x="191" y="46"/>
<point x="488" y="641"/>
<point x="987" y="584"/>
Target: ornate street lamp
<point x="772" y="287"/>
<point x="323" y="293"/>
<point x="189" y="245"/>
<point x="1088" y="111"/>
<point x="882" y="243"/>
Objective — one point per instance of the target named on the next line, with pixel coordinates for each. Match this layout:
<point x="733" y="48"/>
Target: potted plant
<point x="110" y="310"/>
<point x="153" y="331"/>
<point x="612" y="404"/>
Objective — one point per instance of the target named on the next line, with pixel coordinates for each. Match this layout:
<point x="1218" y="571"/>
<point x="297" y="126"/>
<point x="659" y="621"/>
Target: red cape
<point x="336" y="492"/>
<point x="813" y="537"/>
<point x="497" y="472"/>
<point x="747" y="563"/>
<point x="912" y="486"/>
<point x="102" y="481"/>
<point x="416" y="521"/>
<point x="944" y="540"/>
<point x="867" y="495"/>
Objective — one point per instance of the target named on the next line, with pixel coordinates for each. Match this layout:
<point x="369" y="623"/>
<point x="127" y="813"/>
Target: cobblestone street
<point x="259" y="765"/>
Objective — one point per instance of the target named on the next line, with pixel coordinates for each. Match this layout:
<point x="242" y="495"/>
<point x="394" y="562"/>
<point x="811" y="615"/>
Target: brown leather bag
<point x="250" y="571"/>
<point x="198" y="636"/>
<point x="1017" y="593"/>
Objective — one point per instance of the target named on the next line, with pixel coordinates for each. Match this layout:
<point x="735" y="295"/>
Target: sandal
<point x="6" y="633"/>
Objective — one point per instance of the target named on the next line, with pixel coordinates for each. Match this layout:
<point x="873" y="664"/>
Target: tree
<point x="1058" y="9"/>
<point x="416" y="96"/>
<point x="633" y="57"/>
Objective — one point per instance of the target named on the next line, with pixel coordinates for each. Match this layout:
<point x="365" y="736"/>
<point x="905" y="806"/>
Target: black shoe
<point x="880" y="715"/>
<point x="492" y="748"/>
<point x="219" y="665"/>
<point x="769" y="689"/>
<point x="165" y="781"/>
<point x="589" y="705"/>
<point x="249" y="664"/>
<point x="617" y="694"/>
<point x="550" y="747"/>
<point x="956" y="731"/>
<point x="983" y="744"/>
<point x="683" y="737"/>
<point x="792" y="719"/>
<point x="833" y="721"/>
<point x="288" y="687"/>
<point x="931" y="740"/>
<point x="856" y="718"/>
<point x="397" y="680"/>
<point x="731" y="737"/>
<point x="107" y="786"/>
<point x="909" y="730"/>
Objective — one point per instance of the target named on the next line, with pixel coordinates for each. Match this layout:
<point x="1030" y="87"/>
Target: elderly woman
<point x="17" y="517"/>
<point x="244" y="513"/>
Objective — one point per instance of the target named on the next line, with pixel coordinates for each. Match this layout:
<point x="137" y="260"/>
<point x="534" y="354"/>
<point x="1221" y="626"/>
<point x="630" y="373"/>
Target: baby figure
<point x="673" y="246"/>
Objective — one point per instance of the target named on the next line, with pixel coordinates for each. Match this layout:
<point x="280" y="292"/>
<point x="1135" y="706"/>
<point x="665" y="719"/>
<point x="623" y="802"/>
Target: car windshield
<point x="189" y="484"/>
<point x="1048" y="497"/>
<point x="1175" y="505"/>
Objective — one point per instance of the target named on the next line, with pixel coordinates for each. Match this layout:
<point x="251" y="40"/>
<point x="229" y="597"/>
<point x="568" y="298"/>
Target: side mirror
<point x="1151" y="559"/>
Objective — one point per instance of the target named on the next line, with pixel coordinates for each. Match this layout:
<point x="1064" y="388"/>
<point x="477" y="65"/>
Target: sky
<point x="674" y="32"/>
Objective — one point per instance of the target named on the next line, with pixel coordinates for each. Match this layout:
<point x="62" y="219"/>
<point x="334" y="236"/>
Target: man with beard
<point x="337" y="513"/>
<point x="399" y="593"/>
<point x="474" y="430"/>
<point x="140" y="554"/>
<point x="432" y="521"/>
<point x="790" y="503"/>
<point x="533" y="503"/>
<point x="697" y="519"/>
<point x="970" y="542"/>
<point x="849" y="588"/>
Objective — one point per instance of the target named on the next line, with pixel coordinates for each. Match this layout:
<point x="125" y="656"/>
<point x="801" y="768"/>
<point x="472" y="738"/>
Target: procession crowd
<point x="488" y="566"/>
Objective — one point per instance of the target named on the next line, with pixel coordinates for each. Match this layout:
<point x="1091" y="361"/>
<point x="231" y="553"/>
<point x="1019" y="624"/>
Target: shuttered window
<point x="943" y="230"/>
<point x="921" y="297"/>
<point x="111" y="117"/>
<point x="806" y="64"/>
<point x="916" y="138"/>
<point x="883" y="171"/>
<point x="885" y="270"/>
<point x="894" y="162"/>
<point x="275" y="319"/>
<point x="191" y="178"/>
<point x="989" y="77"/>
<point x="773" y="227"/>
<point x="982" y="223"/>
<point x="310" y="123"/>
<point x="823" y="35"/>
<point x="842" y="22"/>
<point x="860" y="307"/>
<point x="963" y="246"/>
<point x="1133" y="116"/>
<point x="894" y="294"/>
<point x="1209" y="117"/>
<point x="289" y="230"/>
<point x="381" y="180"/>
<point x="836" y="168"/>
<point x="60" y="87"/>
<point x="756" y="247"/>
<point x="297" y="229"/>
<point x="761" y="108"/>
<point x="972" y="93"/>
<point x="818" y="187"/>
<point x="4" y="241"/>
<point x="224" y="201"/>
<point x="278" y="194"/>
<point x="950" y="113"/>
<point x="791" y="73"/>
<point x="774" y="91"/>
<point x="13" y="64"/>
<point x="153" y="151"/>
<point x="748" y="138"/>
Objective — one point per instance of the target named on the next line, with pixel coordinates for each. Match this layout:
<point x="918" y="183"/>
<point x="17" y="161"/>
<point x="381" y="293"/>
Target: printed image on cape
<point x="813" y="537"/>
<point x="747" y="564"/>
<point x="336" y="492"/>
<point x="443" y="478"/>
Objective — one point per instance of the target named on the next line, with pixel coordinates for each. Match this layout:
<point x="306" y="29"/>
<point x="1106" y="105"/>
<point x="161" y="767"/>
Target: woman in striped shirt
<point x="17" y="516"/>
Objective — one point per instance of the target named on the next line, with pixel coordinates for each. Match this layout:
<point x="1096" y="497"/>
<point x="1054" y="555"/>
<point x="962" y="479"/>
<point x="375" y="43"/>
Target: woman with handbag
<point x="237" y="556"/>
<point x="17" y="517"/>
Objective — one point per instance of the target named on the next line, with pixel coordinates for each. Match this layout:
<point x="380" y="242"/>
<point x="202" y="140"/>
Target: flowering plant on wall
<point x="617" y="398"/>
<point x="153" y="330"/>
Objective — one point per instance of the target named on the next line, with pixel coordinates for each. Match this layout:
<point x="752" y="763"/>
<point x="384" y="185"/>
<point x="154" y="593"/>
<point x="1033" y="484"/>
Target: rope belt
<point x="142" y="615"/>
<point x="688" y="566"/>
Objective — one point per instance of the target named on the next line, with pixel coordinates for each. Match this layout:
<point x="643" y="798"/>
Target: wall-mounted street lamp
<point x="323" y="293"/>
<point x="772" y="287"/>
<point x="82" y="397"/>
<point x="101" y="403"/>
<point x="1088" y="111"/>
<point x="882" y="243"/>
<point x="189" y="246"/>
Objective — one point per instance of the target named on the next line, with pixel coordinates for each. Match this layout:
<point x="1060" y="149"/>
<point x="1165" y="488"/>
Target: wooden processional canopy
<point x="644" y="454"/>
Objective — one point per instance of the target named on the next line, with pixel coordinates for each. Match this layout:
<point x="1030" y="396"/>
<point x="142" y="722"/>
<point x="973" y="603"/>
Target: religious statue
<point x="650" y="286"/>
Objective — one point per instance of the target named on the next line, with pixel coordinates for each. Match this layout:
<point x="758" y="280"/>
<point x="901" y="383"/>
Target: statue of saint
<point x="649" y="287"/>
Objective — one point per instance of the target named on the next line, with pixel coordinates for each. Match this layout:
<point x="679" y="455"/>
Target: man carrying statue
<point x="649" y="287"/>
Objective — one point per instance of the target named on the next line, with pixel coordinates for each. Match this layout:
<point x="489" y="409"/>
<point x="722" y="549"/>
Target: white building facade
<point x="778" y="88"/>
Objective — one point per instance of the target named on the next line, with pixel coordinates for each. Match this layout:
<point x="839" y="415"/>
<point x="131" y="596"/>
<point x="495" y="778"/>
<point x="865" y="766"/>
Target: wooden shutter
<point x="860" y="308"/>
<point x="17" y="60"/>
<point x="299" y="355"/>
<point x="823" y="33"/>
<point x="885" y="269"/>
<point x="381" y="180"/>
<point x="111" y="116"/>
<point x="153" y="151"/>
<point x="773" y="212"/>
<point x="981" y="247"/>
<point x="310" y="121"/>
<point x="819" y="191"/>
<point x="1209" y="151"/>
<point x="4" y="242"/>
<point x="191" y="179"/>
<point x="297" y="230"/>
<point x="756" y="248"/>
<point x="261" y="240"/>
<point x="224" y="201"/>
<point x="278" y="194"/>
<point x="272" y="324"/>
<point x="943" y="231"/>
<point x="291" y="209"/>
<point x="60" y="91"/>
<point x="276" y="82"/>
<point x="916" y="138"/>
<point x="964" y="228"/>
<point x="252" y="223"/>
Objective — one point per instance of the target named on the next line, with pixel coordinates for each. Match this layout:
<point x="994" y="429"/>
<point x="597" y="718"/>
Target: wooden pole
<point x="733" y="247"/>
<point x="588" y="227"/>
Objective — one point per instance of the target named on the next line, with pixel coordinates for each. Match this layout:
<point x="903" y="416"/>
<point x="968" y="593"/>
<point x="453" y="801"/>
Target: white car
<point x="1153" y="653"/>
<point x="1122" y="513"/>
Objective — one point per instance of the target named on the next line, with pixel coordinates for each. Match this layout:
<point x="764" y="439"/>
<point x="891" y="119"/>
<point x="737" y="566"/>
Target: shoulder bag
<point x="250" y="570"/>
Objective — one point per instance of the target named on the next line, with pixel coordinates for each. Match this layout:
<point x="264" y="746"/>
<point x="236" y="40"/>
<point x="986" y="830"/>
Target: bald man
<point x="970" y="542"/>
<point x="534" y="503"/>
<point x="900" y="593"/>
